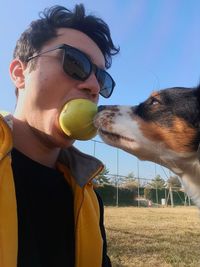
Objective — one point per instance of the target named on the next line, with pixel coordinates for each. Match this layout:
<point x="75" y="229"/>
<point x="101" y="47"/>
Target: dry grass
<point x="153" y="237"/>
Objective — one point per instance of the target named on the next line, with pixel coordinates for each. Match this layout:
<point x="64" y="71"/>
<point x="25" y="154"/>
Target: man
<point x="49" y="212"/>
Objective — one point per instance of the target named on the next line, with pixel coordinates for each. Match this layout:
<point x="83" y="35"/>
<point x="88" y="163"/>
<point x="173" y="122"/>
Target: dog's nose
<point x="101" y="108"/>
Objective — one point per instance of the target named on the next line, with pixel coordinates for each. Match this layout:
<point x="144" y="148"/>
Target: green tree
<point x="147" y="192"/>
<point x="157" y="182"/>
<point x="174" y="181"/>
<point x="130" y="176"/>
<point x="103" y="178"/>
<point x="130" y="182"/>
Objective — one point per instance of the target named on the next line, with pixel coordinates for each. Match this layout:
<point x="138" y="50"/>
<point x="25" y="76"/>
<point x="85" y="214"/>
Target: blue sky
<point x="159" y="41"/>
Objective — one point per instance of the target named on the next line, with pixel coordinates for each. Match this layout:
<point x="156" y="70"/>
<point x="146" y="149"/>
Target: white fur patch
<point x="122" y="130"/>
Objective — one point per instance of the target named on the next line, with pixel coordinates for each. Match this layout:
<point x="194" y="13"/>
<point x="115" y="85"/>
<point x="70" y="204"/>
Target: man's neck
<point x="28" y="142"/>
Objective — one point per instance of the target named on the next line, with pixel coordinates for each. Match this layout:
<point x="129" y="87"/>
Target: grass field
<point x="153" y="237"/>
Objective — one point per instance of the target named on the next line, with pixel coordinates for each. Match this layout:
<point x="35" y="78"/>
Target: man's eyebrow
<point x="99" y="66"/>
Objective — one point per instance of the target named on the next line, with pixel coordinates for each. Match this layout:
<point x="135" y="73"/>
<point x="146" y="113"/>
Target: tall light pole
<point x="117" y="180"/>
<point x="138" y="175"/>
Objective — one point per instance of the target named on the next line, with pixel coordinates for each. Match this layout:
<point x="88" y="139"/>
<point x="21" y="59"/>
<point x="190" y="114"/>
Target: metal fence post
<point x="117" y="179"/>
<point x="138" y="175"/>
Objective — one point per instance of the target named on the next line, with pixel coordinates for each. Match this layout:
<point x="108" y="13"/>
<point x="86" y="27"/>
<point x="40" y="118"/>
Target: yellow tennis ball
<point x="76" y="119"/>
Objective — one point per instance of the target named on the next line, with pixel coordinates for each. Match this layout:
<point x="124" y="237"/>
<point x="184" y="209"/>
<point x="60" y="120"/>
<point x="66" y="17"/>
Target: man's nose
<point x="91" y="86"/>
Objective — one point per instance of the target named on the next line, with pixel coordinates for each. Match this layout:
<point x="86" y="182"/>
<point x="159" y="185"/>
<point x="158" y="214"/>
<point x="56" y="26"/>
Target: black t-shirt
<point x="45" y="215"/>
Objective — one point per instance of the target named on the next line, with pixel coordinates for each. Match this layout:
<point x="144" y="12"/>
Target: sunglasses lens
<point x="106" y="83"/>
<point x="76" y="64"/>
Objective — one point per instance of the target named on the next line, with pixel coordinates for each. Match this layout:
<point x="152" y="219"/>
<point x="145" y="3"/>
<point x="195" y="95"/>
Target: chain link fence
<point x="141" y="193"/>
<point x="129" y="181"/>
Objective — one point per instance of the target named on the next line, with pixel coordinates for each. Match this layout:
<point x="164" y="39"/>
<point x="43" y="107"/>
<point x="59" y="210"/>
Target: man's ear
<point x="17" y="68"/>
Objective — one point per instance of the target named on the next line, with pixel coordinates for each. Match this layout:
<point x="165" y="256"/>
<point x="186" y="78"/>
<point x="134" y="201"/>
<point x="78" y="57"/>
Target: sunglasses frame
<point x="97" y="71"/>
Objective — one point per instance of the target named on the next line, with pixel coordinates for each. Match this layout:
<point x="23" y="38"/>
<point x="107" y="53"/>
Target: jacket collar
<point x="83" y="167"/>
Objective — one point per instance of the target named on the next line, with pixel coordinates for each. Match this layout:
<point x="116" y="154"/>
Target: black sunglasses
<point x="78" y="66"/>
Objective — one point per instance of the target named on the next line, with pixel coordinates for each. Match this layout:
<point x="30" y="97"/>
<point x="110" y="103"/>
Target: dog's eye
<point x="154" y="101"/>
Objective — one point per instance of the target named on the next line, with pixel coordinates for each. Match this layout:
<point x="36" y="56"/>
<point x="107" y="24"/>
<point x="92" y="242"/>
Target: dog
<point x="164" y="129"/>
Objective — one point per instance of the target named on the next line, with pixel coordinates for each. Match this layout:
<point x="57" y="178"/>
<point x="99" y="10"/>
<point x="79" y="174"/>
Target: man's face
<point x="47" y="87"/>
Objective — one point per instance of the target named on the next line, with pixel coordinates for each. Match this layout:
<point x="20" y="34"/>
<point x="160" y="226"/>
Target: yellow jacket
<point x="89" y="243"/>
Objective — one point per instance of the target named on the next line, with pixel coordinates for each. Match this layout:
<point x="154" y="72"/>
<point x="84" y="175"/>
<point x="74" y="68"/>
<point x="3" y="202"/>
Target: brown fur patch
<point x="105" y="119"/>
<point x="178" y="138"/>
<point x="155" y="94"/>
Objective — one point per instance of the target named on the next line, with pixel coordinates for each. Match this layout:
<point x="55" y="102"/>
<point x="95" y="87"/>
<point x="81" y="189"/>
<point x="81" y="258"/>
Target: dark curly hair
<point x="45" y="28"/>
